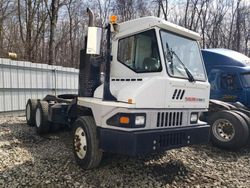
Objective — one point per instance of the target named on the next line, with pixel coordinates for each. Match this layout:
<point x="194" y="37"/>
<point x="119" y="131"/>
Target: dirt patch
<point x="27" y="159"/>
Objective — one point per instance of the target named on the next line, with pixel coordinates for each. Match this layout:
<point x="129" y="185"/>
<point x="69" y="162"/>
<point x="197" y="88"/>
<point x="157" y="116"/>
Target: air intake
<point x="169" y="119"/>
<point x="171" y="139"/>
<point x="178" y="94"/>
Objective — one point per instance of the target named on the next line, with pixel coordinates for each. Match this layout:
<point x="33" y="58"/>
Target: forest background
<point x="52" y="31"/>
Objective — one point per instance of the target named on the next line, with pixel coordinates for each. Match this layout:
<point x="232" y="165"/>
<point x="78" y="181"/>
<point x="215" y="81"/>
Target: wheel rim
<point x="223" y="130"/>
<point x="28" y="111"/>
<point x="80" y="143"/>
<point x="38" y="117"/>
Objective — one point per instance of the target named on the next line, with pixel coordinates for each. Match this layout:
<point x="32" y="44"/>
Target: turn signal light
<point x="124" y="120"/>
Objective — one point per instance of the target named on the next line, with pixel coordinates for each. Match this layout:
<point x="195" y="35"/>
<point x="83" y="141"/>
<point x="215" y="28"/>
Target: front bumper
<point x="144" y="142"/>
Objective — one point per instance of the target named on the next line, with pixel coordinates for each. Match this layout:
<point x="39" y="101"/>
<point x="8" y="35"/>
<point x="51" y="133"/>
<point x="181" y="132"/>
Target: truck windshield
<point x="245" y="79"/>
<point x="188" y="52"/>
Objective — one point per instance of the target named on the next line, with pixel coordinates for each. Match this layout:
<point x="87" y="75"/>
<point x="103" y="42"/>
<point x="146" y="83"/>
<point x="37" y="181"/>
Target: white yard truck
<point x="154" y="90"/>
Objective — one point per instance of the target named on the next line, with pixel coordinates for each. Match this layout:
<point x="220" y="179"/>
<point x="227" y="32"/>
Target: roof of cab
<point x="151" y="21"/>
<point x="236" y="56"/>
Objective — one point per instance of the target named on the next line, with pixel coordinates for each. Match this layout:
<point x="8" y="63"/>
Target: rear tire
<point x="247" y="120"/>
<point x="86" y="143"/>
<point x="30" y="112"/>
<point x="228" y="130"/>
<point x="41" y="118"/>
<point x="244" y="116"/>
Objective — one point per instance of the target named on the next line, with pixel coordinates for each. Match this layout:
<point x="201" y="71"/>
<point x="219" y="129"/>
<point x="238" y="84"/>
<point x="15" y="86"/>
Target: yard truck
<point x="229" y="110"/>
<point x="154" y="89"/>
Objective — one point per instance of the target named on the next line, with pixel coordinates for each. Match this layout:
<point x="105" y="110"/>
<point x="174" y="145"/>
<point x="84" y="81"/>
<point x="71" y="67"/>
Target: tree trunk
<point x="1" y="35"/>
<point x="186" y="14"/>
<point x="53" y="21"/>
<point x="237" y="32"/>
<point x="28" y="49"/>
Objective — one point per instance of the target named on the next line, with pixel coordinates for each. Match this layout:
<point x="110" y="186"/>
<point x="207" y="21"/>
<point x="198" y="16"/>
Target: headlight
<point x="194" y="117"/>
<point x="139" y="120"/>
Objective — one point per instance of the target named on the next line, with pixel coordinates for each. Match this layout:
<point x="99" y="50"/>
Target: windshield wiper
<point x="170" y="54"/>
<point x="169" y="57"/>
<point x="189" y="74"/>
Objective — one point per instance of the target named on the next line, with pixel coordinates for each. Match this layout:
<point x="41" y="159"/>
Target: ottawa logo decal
<point x="194" y="99"/>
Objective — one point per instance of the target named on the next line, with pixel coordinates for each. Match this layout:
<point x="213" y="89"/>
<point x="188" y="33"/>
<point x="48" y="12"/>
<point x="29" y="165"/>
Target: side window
<point x="229" y="82"/>
<point x="213" y="80"/>
<point x="140" y="52"/>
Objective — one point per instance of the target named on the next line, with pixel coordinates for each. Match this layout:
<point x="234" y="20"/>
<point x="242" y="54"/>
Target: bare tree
<point x="5" y="11"/>
<point x="203" y="21"/>
<point x="103" y="10"/>
<point x="246" y="29"/>
<point x="162" y="7"/>
<point x="142" y="8"/>
<point x="30" y="26"/>
<point x="125" y="8"/>
<point x="52" y="31"/>
<point x="237" y="33"/>
<point x="53" y="10"/>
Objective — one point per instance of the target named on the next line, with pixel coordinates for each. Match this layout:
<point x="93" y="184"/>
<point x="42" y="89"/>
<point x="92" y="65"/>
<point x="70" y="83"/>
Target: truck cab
<point x="229" y="75"/>
<point x="142" y="69"/>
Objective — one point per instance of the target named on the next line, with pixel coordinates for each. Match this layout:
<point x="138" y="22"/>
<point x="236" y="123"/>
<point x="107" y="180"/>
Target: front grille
<point x="171" y="139"/>
<point x="169" y="119"/>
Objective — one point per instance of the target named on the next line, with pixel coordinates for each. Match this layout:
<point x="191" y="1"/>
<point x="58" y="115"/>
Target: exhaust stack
<point x="91" y="17"/>
<point x="89" y="69"/>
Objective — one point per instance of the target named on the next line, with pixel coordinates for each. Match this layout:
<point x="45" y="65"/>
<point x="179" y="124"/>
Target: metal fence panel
<point x="21" y="80"/>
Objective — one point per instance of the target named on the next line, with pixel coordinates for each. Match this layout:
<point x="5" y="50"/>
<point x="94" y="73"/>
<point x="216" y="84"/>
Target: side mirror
<point x="94" y="40"/>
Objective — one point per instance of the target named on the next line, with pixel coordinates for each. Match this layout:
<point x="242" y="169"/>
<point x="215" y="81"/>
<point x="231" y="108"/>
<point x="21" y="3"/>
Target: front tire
<point x="41" y="118"/>
<point x="86" y="143"/>
<point x="228" y="130"/>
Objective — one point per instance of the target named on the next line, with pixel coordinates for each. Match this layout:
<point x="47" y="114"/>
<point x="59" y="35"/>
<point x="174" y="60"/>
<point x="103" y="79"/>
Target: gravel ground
<point x="28" y="160"/>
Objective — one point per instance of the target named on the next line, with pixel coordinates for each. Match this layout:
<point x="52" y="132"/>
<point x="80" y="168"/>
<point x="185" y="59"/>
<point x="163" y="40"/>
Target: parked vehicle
<point x="149" y="100"/>
<point x="229" y="76"/>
